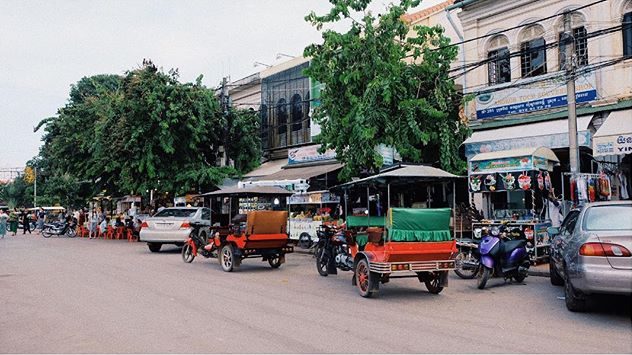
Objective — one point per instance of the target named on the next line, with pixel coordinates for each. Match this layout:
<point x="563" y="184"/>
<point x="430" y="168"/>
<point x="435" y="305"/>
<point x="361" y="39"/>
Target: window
<point x="206" y="214"/>
<point x="608" y="218"/>
<point x="263" y="111"/>
<point x="281" y="116"/>
<point x="627" y="35"/>
<point x="533" y="57"/>
<point x="297" y="112"/>
<point x="498" y="69"/>
<point x="569" y="223"/>
<point x="177" y="212"/>
<point x="581" y="47"/>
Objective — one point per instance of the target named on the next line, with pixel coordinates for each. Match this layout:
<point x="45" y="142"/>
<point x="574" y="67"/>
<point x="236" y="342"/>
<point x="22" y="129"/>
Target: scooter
<point x="197" y="244"/>
<point x="61" y="228"/>
<point x="502" y="258"/>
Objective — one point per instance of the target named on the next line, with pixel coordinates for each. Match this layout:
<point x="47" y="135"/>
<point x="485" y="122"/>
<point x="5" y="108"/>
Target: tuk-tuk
<point x="255" y="233"/>
<point x="411" y="241"/>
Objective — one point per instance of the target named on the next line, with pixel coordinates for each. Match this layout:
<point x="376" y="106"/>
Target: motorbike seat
<point x="513" y="244"/>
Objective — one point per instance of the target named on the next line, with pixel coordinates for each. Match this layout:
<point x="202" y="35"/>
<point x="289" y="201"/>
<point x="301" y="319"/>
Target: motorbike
<point x="197" y="244"/>
<point x="60" y="228"/>
<point x="502" y="257"/>
<point x="332" y="251"/>
<point x="467" y="260"/>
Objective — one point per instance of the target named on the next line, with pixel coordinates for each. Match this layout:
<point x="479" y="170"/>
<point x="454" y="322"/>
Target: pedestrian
<point x="13" y="220"/>
<point x="104" y="225"/>
<point x="41" y="216"/>
<point x="554" y="206"/>
<point x="3" y="223"/>
<point x="26" y="221"/>
<point x="93" y="219"/>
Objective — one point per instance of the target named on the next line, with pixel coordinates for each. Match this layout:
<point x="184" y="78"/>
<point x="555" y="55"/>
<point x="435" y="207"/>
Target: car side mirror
<point x="553" y="231"/>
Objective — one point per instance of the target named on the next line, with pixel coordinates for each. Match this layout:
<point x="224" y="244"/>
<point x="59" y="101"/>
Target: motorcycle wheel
<point x="519" y="277"/>
<point x="46" y="233"/>
<point x="464" y="273"/>
<point x="432" y="284"/>
<point x="321" y="261"/>
<point x="304" y="241"/>
<point x="187" y="253"/>
<point x="483" y="277"/>
<point x="275" y="261"/>
<point x="71" y="233"/>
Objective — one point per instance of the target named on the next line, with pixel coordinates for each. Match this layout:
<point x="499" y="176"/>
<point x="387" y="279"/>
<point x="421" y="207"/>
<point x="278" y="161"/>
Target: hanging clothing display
<point x="623" y="186"/>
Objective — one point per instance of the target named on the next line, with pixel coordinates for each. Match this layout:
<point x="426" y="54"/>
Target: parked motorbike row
<point x="67" y="229"/>
<point x="500" y="253"/>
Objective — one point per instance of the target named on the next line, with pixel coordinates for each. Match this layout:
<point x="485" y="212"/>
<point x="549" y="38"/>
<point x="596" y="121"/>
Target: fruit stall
<point x="308" y="211"/>
<point x="515" y="185"/>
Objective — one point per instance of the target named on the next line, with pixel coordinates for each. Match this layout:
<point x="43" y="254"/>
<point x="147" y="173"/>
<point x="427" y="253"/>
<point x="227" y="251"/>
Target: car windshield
<point x="176" y="212"/>
<point x="608" y="218"/>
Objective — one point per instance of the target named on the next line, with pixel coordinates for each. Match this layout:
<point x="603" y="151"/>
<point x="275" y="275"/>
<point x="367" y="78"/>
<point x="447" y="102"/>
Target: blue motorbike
<point x="501" y="257"/>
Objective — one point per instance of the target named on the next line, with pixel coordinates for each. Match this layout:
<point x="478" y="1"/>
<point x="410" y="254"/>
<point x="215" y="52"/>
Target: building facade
<point x="513" y="61"/>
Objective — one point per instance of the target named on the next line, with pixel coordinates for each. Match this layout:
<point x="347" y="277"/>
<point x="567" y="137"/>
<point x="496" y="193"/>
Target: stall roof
<point x="618" y="123"/>
<point x="421" y="172"/>
<point x="251" y="191"/>
<point x="305" y="172"/>
<point x="541" y="152"/>
<point x="267" y="168"/>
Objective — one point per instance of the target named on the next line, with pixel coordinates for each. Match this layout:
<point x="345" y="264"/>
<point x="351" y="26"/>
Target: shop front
<point x="515" y="185"/>
<point x="308" y="212"/>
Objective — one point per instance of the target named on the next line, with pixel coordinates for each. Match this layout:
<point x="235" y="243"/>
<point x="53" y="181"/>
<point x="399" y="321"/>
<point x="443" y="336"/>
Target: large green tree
<point x="383" y="86"/>
<point x="143" y="130"/>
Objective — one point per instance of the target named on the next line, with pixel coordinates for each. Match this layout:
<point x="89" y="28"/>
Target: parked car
<point x="173" y="226"/>
<point x="590" y="252"/>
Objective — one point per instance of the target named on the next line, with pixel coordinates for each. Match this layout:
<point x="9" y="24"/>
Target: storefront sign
<point x="532" y="97"/>
<point x="501" y="165"/>
<point x="309" y="154"/>
<point x="298" y="226"/>
<point x="552" y="141"/>
<point x="613" y="145"/>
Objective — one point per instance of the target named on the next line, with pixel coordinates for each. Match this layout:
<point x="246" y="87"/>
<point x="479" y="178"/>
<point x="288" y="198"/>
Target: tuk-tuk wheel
<point x="275" y="261"/>
<point x="365" y="280"/>
<point x="227" y="258"/>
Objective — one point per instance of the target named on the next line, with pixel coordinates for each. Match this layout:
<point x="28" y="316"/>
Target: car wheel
<point x="154" y="247"/>
<point x="556" y="279"/>
<point x="575" y="302"/>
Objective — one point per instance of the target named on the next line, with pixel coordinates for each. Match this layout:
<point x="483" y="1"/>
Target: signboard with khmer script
<point x="540" y="95"/>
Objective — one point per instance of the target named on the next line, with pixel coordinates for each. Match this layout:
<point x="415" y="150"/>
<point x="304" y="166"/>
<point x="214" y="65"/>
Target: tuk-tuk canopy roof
<point x="403" y="173"/>
<point x="250" y="191"/>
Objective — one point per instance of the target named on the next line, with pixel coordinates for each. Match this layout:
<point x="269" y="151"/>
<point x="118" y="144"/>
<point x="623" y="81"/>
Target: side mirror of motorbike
<point x="553" y="231"/>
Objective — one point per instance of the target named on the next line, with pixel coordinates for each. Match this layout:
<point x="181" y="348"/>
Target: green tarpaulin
<point x="419" y="225"/>
<point x="363" y="221"/>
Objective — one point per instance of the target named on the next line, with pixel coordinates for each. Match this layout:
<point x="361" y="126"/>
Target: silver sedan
<point x="590" y="253"/>
<point x="173" y="226"/>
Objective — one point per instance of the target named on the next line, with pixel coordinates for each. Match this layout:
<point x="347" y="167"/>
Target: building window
<point x="498" y="69"/>
<point x="581" y="47"/>
<point x="627" y="35"/>
<point x="281" y="123"/>
<point x="533" y="57"/>
<point x="263" y="112"/>
<point x="297" y="112"/>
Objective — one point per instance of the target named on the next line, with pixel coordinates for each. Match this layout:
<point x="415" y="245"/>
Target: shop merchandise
<point x="623" y="186"/>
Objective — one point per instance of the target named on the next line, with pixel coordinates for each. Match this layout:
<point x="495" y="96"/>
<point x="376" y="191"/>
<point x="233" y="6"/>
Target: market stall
<point x="308" y="212"/>
<point x="515" y="185"/>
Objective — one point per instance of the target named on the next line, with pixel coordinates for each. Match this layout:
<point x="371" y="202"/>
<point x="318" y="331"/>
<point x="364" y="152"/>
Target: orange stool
<point x="130" y="235"/>
<point x="110" y="232"/>
<point x="120" y="231"/>
<point x="85" y="233"/>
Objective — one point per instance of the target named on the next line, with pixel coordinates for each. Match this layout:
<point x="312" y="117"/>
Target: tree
<point x="382" y="87"/>
<point x="15" y="194"/>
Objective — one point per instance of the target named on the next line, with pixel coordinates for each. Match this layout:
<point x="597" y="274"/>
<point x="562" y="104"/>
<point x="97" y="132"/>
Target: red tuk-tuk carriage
<point x="406" y="242"/>
<point x="256" y="233"/>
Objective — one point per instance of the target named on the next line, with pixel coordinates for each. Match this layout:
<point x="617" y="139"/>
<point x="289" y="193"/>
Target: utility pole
<point x="35" y="187"/>
<point x="224" y="103"/>
<point x="569" y="64"/>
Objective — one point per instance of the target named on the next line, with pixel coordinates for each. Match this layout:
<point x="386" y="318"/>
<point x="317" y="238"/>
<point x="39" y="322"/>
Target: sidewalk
<point x="541" y="270"/>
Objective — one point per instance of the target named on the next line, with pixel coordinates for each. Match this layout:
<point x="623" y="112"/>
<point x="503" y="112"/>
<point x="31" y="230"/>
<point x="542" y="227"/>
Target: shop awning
<point x="305" y="172"/>
<point x="614" y="137"/>
<point x="250" y="191"/>
<point x="523" y="159"/>
<point x="403" y="172"/>
<point x="551" y="134"/>
<point x="267" y="168"/>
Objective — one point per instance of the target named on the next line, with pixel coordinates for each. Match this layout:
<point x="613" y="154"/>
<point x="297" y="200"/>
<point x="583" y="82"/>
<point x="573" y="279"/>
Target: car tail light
<point x="185" y="224"/>
<point x="144" y="225"/>
<point x="604" y="249"/>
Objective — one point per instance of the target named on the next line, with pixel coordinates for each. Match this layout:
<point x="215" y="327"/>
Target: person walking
<point x="41" y="216"/>
<point x="13" y="221"/>
<point x="3" y="223"/>
<point x="93" y="220"/>
<point x="26" y="221"/>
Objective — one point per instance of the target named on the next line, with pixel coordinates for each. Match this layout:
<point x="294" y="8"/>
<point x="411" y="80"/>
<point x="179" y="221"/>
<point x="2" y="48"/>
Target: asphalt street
<point x="63" y="295"/>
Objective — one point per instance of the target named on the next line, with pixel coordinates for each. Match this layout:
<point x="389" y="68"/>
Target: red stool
<point x="110" y="232"/>
<point x="85" y="233"/>
<point x="120" y="231"/>
<point x="130" y="235"/>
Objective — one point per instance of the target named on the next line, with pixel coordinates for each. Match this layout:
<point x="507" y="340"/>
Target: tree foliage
<point x="143" y="130"/>
<point x="383" y="86"/>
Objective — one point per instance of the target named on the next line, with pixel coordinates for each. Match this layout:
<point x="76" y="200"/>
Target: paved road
<point x="76" y="295"/>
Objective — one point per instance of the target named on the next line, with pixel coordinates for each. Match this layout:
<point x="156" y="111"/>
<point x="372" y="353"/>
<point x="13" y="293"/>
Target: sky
<point x="47" y="45"/>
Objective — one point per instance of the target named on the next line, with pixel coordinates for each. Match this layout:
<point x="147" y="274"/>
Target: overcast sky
<point x="47" y="45"/>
